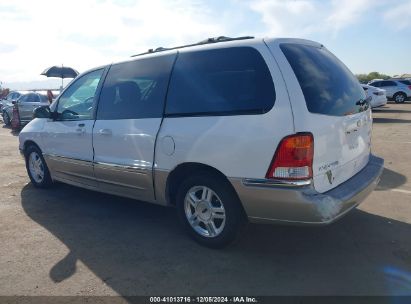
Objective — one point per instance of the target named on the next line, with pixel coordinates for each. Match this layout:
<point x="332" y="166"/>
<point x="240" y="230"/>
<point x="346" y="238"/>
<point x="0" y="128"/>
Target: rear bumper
<point x="379" y="101"/>
<point x="302" y="204"/>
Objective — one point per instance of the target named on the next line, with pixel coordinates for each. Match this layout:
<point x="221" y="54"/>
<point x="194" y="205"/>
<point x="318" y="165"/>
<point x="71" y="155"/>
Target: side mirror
<point x="14" y="102"/>
<point x="42" y="112"/>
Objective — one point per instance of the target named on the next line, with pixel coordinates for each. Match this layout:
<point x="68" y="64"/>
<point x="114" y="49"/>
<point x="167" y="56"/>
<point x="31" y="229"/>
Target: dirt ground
<point x="69" y="241"/>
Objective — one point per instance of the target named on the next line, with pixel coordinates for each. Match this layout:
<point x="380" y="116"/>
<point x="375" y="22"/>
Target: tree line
<point x="364" y="78"/>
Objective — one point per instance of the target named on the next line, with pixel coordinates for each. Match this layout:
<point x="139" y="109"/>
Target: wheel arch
<point x="400" y="92"/>
<point x="30" y="142"/>
<point x="176" y="177"/>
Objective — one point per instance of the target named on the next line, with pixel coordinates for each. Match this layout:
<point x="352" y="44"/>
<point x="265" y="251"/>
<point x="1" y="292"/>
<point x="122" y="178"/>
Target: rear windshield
<point x="407" y="82"/>
<point x="328" y="86"/>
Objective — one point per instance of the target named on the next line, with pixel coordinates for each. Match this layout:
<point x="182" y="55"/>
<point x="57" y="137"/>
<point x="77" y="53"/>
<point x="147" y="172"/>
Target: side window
<point x="43" y="98"/>
<point x="11" y="96"/>
<point x="76" y="103"/>
<point x="406" y="82"/>
<point x="33" y="98"/>
<point x="388" y="84"/>
<point x="135" y="89"/>
<point x="227" y="81"/>
<point x="24" y="98"/>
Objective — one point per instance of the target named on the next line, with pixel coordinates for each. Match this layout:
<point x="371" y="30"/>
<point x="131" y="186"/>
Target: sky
<point x="367" y="35"/>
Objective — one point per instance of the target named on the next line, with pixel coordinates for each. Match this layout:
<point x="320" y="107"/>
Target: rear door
<point x="27" y="105"/>
<point x="129" y="115"/>
<point x="328" y="101"/>
<point x="390" y="87"/>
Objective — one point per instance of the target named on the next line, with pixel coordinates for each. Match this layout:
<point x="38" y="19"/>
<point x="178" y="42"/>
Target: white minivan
<point x="226" y="130"/>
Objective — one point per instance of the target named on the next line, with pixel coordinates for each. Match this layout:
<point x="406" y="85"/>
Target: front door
<point x="68" y="138"/>
<point x="128" y="118"/>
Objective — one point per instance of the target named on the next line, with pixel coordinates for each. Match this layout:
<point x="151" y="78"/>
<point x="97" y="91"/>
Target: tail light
<point x="294" y="158"/>
<point x="409" y="87"/>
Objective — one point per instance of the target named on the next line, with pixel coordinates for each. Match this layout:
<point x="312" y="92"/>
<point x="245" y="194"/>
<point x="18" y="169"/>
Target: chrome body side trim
<point x="67" y="159"/>
<point x="135" y="169"/>
<point x="276" y="182"/>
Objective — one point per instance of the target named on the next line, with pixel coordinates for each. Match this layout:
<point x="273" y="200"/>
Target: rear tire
<point x="210" y="210"/>
<point x="37" y="168"/>
<point x="399" y="97"/>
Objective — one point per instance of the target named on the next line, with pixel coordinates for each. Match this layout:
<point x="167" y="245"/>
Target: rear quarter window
<point x="328" y="86"/>
<point x="388" y="84"/>
<point x="229" y="81"/>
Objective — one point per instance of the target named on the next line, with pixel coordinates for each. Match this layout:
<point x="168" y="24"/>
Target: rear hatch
<point x="328" y="101"/>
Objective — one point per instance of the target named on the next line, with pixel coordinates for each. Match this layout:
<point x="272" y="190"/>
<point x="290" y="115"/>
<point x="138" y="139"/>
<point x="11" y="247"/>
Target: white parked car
<point x="378" y="97"/>
<point x="229" y="129"/>
<point x="398" y="90"/>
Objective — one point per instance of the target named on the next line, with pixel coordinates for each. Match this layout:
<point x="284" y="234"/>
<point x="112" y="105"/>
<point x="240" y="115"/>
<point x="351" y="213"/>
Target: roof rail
<point x="206" y="41"/>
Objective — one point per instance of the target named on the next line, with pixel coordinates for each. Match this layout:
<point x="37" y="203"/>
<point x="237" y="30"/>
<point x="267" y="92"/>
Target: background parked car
<point x="12" y="96"/>
<point x="396" y="89"/>
<point x="378" y="96"/>
<point x="25" y="105"/>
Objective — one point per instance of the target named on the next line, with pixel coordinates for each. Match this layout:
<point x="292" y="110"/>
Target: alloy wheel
<point x="204" y="211"/>
<point x="36" y="167"/>
<point x="399" y="98"/>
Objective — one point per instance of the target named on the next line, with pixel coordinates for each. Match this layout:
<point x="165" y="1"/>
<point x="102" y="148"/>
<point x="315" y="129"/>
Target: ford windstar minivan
<point x="226" y="130"/>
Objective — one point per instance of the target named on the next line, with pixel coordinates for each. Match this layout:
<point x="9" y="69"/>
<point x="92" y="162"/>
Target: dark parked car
<point x="12" y="96"/>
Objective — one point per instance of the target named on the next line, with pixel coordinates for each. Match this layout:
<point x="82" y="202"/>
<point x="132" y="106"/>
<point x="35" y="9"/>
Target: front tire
<point x="6" y="119"/>
<point x="37" y="168"/>
<point x="399" y="97"/>
<point x="210" y="210"/>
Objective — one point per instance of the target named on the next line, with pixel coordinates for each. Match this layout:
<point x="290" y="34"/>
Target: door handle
<point x="105" y="132"/>
<point x="81" y="129"/>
